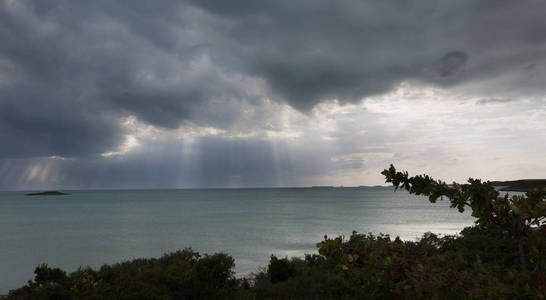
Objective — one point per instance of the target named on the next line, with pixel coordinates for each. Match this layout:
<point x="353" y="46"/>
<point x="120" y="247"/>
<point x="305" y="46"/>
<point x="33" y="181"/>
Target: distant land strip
<point x="523" y="185"/>
<point x="47" y="193"/>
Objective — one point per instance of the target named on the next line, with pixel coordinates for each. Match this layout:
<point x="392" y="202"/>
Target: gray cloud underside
<point x="70" y="69"/>
<point x="211" y="162"/>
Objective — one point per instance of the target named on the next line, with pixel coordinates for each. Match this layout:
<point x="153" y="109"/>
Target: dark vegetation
<point x="523" y="185"/>
<point x="48" y="193"/>
<point x="179" y="275"/>
<point x="501" y="257"/>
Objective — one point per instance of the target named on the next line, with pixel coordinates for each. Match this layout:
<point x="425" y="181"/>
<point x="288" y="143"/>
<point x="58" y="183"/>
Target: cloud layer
<point x="241" y="76"/>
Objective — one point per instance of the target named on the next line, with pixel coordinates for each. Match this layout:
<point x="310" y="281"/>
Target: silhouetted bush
<point x="179" y="275"/>
<point x="281" y="269"/>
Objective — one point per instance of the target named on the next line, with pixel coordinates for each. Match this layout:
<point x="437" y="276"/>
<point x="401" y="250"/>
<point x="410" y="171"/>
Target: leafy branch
<point x="516" y="214"/>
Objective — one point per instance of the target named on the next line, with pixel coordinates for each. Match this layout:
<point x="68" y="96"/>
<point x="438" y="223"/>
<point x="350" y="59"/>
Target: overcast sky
<point x="152" y="94"/>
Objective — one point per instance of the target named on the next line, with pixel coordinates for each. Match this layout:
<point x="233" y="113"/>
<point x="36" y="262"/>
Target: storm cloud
<point x="72" y="72"/>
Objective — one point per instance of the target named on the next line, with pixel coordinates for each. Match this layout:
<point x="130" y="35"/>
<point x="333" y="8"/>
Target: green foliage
<point x="311" y="278"/>
<point x="517" y="213"/>
<point x="179" y="275"/>
<point x="478" y="264"/>
<point x="281" y="269"/>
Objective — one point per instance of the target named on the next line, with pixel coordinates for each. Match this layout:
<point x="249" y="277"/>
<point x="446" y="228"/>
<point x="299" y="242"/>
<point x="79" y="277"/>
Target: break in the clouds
<point x="246" y="93"/>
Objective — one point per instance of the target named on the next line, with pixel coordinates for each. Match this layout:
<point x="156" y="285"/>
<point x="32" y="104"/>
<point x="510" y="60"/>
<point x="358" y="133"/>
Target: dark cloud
<point x="36" y="120"/>
<point x="449" y="66"/>
<point x="317" y="50"/>
<point x="70" y="70"/>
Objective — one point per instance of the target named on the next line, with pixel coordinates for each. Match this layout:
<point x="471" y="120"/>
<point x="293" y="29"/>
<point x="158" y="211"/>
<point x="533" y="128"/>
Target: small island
<point x="47" y="193"/>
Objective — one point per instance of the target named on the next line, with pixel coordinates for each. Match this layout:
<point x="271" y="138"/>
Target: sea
<point x="96" y="227"/>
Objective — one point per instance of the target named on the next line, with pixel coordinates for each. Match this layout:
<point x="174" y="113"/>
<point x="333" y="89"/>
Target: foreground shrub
<point x="475" y="265"/>
<point x="518" y="216"/>
<point x="179" y="275"/>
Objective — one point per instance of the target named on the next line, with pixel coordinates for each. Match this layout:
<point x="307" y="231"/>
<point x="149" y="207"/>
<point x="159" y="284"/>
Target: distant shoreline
<point x="523" y="185"/>
<point x="47" y="193"/>
<point x="520" y="185"/>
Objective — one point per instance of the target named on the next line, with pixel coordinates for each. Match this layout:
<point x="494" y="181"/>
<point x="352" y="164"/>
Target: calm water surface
<point x="98" y="227"/>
